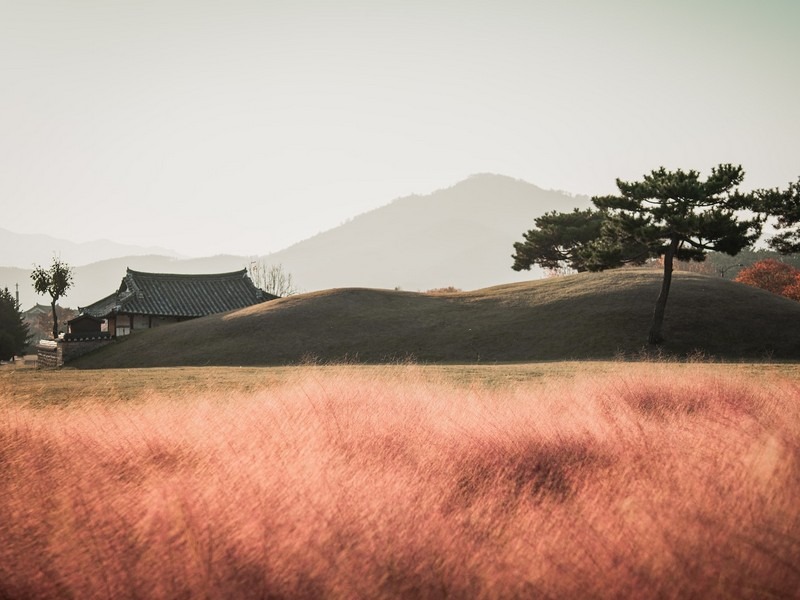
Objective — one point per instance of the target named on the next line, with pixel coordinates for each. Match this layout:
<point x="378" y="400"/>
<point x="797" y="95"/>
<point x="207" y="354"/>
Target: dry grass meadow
<point x="596" y="480"/>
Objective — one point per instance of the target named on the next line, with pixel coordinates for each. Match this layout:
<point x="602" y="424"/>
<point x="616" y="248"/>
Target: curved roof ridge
<point x="240" y="272"/>
<point x="183" y="295"/>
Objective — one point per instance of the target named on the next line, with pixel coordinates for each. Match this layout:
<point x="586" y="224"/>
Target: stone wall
<point x="48" y="355"/>
<point x="54" y="354"/>
<point x="76" y="348"/>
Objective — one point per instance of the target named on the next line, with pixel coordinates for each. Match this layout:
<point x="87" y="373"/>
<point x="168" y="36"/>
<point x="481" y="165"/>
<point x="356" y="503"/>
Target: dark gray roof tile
<point x="178" y="295"/>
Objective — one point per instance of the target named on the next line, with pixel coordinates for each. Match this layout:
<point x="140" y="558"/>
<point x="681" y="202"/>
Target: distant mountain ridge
<point x="460" y="236"/>
<point x="22" y="250"/>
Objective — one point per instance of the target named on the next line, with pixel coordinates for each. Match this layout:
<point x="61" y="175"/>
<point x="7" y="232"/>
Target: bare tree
<point x="271" y="278"/>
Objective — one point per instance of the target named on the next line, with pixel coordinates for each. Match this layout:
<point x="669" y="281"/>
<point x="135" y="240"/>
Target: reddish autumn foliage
<point x="774" y="276"/>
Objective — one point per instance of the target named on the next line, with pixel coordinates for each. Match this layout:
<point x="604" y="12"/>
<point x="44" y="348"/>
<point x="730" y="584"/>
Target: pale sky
<point x="243" y="126"/>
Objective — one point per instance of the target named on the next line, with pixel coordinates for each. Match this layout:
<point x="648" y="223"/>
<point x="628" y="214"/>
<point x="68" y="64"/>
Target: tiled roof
<point x="100" y="308"/>
<point x="38" y="309"/>
<point x="82" y="317"/>
<point x="176" y="295"/>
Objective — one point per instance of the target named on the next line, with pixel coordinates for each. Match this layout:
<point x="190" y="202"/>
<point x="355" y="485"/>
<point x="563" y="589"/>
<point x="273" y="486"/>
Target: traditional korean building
<point x="146" y="300"/>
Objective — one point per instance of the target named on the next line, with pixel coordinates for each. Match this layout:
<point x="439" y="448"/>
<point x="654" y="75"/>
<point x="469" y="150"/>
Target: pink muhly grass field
<point x="343" y="485"/>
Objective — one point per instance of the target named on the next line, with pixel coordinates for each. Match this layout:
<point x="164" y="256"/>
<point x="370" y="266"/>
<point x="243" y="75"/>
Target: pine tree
<point x="569" y="241"/>
<point x="13" y="329"/>
<point x="557" y="241"/>
<point x="785" y="205"/>
<point x="672" y="215"/>
<point x="678" y="216"/>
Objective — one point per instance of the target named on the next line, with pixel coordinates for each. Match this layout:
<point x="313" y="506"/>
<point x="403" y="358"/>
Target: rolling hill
<point x="461" y="236"/>
<point x="584" y="316"/>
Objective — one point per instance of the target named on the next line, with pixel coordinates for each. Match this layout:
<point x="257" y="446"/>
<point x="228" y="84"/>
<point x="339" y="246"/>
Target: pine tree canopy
<point x="13" y="329"/>
<point x="669" y="214"/>
<point x="785" y="205"/>
<point x="558" y="240"/>
<point x="677" y="208"/>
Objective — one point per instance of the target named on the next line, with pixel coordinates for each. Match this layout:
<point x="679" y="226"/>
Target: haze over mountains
<point x="22" y="250"/>
<point x="460" y="236"/>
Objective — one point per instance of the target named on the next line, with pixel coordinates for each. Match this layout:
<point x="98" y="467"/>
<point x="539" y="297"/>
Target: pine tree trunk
<point x="55" y="319"/>
<point x="655" y="336"/>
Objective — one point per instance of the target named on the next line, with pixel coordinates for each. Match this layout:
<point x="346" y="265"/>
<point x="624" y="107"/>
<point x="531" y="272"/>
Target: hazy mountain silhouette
<point x="461" y="236"/>
<point x="23" y="250"/>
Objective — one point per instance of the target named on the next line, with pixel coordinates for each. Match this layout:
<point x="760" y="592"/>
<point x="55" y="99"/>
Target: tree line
<point x="668" y="215"/>
<point x="54" y="280"/>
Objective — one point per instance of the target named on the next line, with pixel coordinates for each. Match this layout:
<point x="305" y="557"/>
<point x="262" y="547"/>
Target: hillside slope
<point x="461" y="236"/>
<point x="591" y="315"/>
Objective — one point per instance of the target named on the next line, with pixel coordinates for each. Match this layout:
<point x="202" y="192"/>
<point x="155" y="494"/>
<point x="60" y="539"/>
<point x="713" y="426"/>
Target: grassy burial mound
<point x="590" y="315"/>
